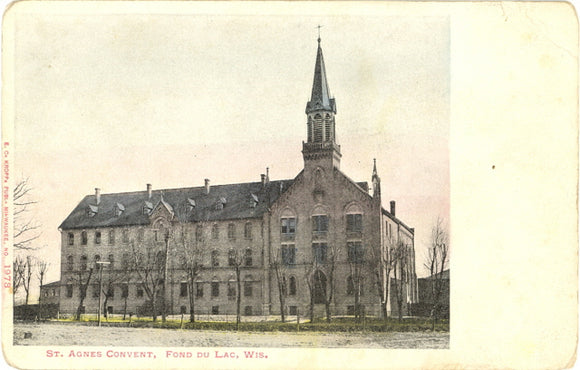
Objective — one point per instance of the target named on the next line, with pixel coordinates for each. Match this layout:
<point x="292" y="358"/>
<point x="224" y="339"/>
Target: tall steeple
<point x="321" y="148"/>
<point x="376" y="182"/>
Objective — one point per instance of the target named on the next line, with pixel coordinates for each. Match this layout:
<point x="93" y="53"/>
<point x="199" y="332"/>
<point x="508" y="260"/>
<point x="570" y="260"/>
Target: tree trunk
<point x="154" y="308"/>
<point x="328" y="314"/>
<point x="238" y="297"/>
<point x="191" y="300"/>
<point x="125" y="309"/>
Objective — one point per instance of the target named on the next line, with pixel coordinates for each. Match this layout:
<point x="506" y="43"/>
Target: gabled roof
<point x="238" y="204"/>
<point x="53" y="284"/>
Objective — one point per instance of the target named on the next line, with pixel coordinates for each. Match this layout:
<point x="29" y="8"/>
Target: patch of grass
<point x="343" y="324"/>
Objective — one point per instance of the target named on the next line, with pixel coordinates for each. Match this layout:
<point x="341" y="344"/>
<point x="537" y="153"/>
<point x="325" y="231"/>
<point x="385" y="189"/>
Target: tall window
<point x="292" y="288"/>
<point x="214" y="231"/>
<point x="248" y="230"/>
<point x="320" y="223"/>
<point x="69" y="263"/>
<point x="248" y="257"/>
<point x="111" y="237"/>
<point x="199" y="233"/>
<point x="247" y="288"/>
<point x="111" y="262"/>
<point x="84" y="238"/>
<point x="125" y="261"/>
<point x="125" y="291"/>
<point x="111" y="292"/>
<point x="125" y="236"/>
<point x="231" y="231"/>
<point x="319" y="287"/>
<point x="183" y="290"/>
<point x="140" y="292"/>
<point x="71" y="239"/>
<point x="349" y="285"/>
<point x="288" y="226"/>
<point x="215" y="258"/>
<point x="288" y="254"/>
<point x="199" y="289"/>
<point x="83" y="262"/>
<point x="355" y="252"/>
<point x="231" y="290"/>
<point x="69" y="290"/>
<point x="97" y="259"/>
<point x="319" y="250"/>
<point x="354" y="223"/>
<point x="215" y="289"/>
<point x="231" y="257"/>
<point x="97" y="237"/>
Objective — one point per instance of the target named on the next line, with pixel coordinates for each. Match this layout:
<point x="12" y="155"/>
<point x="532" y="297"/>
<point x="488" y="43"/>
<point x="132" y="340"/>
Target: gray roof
<point x="239" y="198"/>
<point x="320" y="98"/>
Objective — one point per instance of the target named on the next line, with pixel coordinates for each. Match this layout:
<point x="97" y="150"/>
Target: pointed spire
<point x="376" y="181"/>
<point x="320" y="98"/>
<point x="375" y="168"/>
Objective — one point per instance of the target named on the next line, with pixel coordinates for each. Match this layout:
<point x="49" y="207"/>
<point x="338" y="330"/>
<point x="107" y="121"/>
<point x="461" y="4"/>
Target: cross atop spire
<point x="319" y="27"/>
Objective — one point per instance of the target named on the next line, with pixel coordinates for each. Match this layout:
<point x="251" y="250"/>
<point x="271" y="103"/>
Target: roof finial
<point x="319" y="27"/>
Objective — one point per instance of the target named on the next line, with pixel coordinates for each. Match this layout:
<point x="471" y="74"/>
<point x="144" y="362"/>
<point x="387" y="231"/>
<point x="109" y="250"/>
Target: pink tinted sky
<point x="118" y="101"/>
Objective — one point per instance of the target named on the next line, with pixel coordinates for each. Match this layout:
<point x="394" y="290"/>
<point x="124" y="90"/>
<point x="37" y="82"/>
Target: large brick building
<point x="317" y="234"/>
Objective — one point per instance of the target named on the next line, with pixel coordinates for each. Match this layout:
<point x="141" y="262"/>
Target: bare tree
<point x="25" y="226"/>
<point x="83" y="283"/>
<point x="400" y="257"/>
<point x="381" y="262"/>
<point x="19" y="267"/>
<point x="436" y="262"/>
<point x="329" y="262"/>
<point x="114" y="276"/>
<point x="278" y="265"/>
<point x="149" y="267"/>
<point x="41" y="269"/>
<point x="27" y="276"/>
<point x="309" y="270"/>
<point x="235" y="260"/>
<point x="192" y="265"/>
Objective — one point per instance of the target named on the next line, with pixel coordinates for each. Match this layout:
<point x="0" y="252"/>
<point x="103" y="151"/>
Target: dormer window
<point x="119" y="208"/>
<point x="253" y="200"/>
<point x="221" y="203"/>
<point x="92" y="210"/>
<point x="147" y="208"/>
<point x="190" y="204"/>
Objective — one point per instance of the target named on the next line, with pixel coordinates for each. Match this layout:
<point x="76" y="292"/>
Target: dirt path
<point x="69" y="334"/>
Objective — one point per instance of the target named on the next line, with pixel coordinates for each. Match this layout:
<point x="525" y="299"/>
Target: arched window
<point x="111" y="261"/>
<point x="84" y="238"/>
<point x="83" y="262"/>
<point x="232" y="257"/>
<point x="354" y="219"/>
<point x="215" y="258"/>
<point x="71" y="239"/>
<point x="319" y="287"/>
<point x="292" y="288"/>
<point x="214" y="231"/>
<point x="69" y="263"/>
<point x="97" y="237"/>
<point x="231" y="231"/>
<point x="248" y="257"/>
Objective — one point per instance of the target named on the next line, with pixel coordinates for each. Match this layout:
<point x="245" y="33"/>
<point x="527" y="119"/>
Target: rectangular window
<point x="83" y="262"/>
<point x="288" y="226"/>
<point x="232" y="258"/>
<point x="84" y="238"/>
<point x="111" y="262"/>
<point x="319" y="250"/>
<point x="214" y="232"/>
<point x="183" y="290"/>
<point x="140" y="292"/>
<point x="355" y="252"/>
<point x="293" y="310"/>
<point x="215" y="258"/>
<point x="354" y="223"/>
<point x="111" y="292"/>
<point x="97" y="237"/>
<point x="71" y="239"/>
<point x="247" y="289"/>
<point x="320" y="223"/>
<point x="125" y="236"/>
<point x="183" y="310"/>
<point x="350" y="310"/>
<point x="215" y="289"/>
<point x="69" y="263"/>
<point x="289" y="254"/>
<point x="248" y="311"/>
<point x="215" y="310"/>
<point x="111" y="237"/>
<point x="231" y="291"/>
<point x="124" y="291"/>
<point x="231" y="231"/>
<point x="248" y="231"/>
<point x="199" y="292"/>
<point x="69" y="291"/>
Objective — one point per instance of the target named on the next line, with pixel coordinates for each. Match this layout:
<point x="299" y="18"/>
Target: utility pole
<point x="101" y="263"/>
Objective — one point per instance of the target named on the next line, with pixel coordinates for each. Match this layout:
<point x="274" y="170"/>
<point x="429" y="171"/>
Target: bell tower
<point x="321" y="149"/>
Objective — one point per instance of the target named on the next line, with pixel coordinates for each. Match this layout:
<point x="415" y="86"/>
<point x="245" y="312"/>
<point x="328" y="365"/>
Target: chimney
<point x="149" y="190"/>
<point x="98" y="195"/>
<point x="207" y="186"/>
<point x="393" y="207"/>
<point x="267" y="175"/>
<point x="263" y="179"/>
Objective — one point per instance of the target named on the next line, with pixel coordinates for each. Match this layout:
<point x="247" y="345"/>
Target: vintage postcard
<point x="289" y="185"/>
